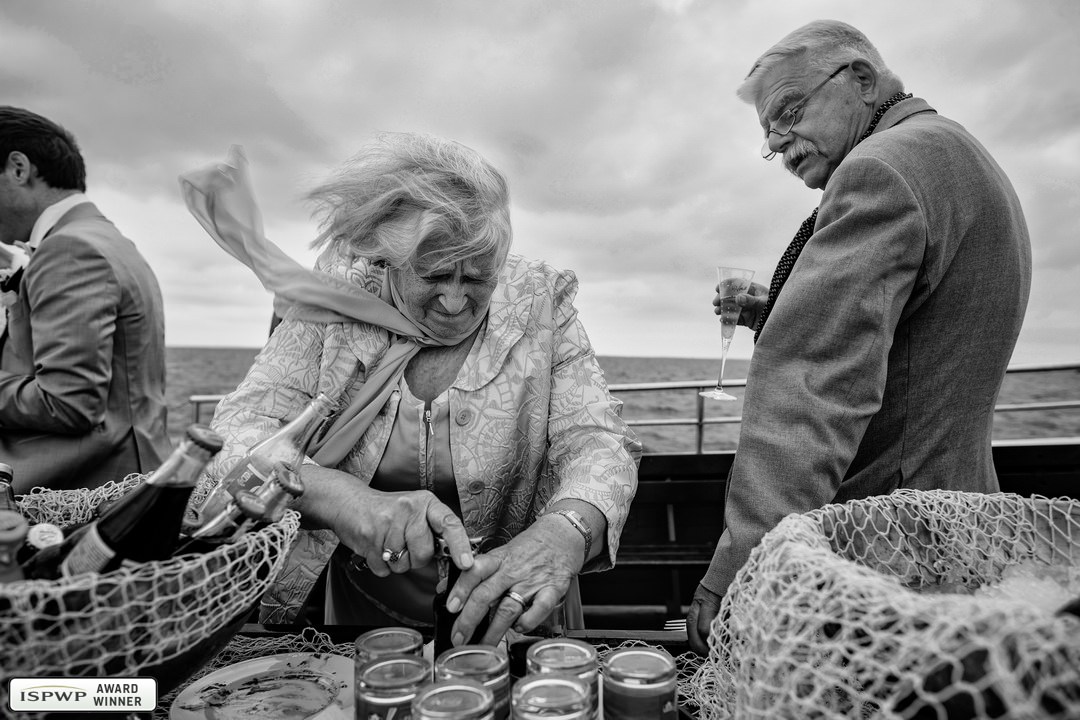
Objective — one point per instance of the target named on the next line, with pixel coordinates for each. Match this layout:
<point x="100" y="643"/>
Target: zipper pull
<point x="427" y="421"/>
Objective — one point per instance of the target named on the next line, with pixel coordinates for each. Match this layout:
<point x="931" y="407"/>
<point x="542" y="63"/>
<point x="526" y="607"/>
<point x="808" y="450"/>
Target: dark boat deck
<point x="677" y="517"/>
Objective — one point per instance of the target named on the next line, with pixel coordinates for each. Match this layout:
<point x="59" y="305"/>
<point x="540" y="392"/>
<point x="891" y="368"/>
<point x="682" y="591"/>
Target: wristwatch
<point x="575" y="519"/>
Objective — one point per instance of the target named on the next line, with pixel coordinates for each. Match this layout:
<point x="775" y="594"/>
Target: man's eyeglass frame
<point x="791" y="116"/>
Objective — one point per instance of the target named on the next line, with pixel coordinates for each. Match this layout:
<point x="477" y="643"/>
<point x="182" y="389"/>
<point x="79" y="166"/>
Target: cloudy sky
<point x="629" y="157"/>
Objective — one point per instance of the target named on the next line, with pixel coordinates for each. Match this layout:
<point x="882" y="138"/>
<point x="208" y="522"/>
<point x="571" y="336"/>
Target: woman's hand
<point x="752" y="303"/>
<point x="537" y="566"/>
<point x="393" y="532"/>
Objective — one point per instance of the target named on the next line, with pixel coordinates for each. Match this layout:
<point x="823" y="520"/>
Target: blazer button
<point x="475" y="487"/>
<point x="463" y="417"/>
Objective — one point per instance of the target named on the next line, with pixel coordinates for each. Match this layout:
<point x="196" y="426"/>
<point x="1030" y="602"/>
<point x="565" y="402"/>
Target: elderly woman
<point x="487" y="416"/>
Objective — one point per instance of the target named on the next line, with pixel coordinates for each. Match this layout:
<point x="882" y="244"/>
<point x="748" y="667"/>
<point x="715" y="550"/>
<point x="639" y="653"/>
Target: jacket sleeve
<point x="819" y="368"/>
<point x="73" y="297"/>
<point x="284" y="377"/>
<point x="592" y="451"/>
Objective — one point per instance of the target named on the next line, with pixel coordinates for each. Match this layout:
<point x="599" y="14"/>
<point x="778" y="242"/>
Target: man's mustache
<point x="797" y="152"/>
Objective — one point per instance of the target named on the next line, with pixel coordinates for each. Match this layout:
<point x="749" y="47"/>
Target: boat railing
<point x="700" y="420"/>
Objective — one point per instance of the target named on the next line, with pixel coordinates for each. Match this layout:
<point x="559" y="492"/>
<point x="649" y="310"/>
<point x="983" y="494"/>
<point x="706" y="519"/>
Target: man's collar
<point x="902" y="111"/>
<point x="51" y="215"/>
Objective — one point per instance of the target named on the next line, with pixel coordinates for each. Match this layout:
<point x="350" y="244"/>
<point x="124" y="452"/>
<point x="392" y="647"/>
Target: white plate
<point x="292" y="686"/>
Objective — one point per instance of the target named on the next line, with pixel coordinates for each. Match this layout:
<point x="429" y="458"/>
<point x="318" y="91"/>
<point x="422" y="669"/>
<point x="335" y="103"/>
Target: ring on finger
<point x="518" y="598"/>
<point x="392" y="556"/>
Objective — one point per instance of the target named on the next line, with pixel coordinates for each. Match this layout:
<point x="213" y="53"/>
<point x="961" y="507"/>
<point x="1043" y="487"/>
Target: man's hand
<point x="704" y="607"/>
<point x="752" y="302"/>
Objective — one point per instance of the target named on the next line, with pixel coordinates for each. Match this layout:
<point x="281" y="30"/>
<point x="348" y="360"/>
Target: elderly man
<point x="885" y="335"/>
<point x="82" y="356"/>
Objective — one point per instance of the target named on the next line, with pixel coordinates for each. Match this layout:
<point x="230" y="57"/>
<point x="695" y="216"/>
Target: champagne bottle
<point x="40" y="536"/>
<point x="248" y="511"/>
<point x="13" y="528"/>
<point x="7" y="491"/>
<point x="143" y="525"/>
<point x="285" y="448"/>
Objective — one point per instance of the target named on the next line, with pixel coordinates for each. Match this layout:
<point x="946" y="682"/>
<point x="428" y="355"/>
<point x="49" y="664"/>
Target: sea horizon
<point x="193" y="370"/>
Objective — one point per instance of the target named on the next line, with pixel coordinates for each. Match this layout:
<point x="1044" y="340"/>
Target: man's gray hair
<point x="422" y="186"/>
<point x="822" y="45"/>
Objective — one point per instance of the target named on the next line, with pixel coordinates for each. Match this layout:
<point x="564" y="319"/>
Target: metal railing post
<point x="700" y="424"/>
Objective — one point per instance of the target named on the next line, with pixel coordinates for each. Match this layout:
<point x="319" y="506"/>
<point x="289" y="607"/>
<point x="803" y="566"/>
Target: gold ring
<point x="516" y="597"/>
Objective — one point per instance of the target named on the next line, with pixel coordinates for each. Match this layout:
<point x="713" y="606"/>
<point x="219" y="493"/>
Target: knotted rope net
<point x="919" y="604"/>
<point x="161" y="619"/>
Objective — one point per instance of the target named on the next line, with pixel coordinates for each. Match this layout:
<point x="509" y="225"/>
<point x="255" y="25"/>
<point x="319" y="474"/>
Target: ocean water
<point x="209" y="371"/>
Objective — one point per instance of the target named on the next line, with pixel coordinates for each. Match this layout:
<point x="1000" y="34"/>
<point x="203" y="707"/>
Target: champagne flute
<point x="732" y="281"/>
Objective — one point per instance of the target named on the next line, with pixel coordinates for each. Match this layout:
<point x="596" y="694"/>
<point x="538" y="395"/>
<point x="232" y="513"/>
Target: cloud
<point x="629" y="158"/>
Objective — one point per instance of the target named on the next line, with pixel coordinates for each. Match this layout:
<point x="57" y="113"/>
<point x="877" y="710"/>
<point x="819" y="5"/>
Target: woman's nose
<point x="453" y="299"/>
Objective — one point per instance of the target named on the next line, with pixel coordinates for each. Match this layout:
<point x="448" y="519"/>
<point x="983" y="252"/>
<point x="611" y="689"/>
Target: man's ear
<point x="19" y="167"/>
<point x="866" y="78"/>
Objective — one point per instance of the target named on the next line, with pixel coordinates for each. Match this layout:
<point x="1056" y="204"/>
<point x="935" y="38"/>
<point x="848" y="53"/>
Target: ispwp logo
<point x="85" y="694"/>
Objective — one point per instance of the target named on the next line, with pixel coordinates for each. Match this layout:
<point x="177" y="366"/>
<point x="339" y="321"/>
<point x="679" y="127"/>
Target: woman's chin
<point x="447" y="327"/>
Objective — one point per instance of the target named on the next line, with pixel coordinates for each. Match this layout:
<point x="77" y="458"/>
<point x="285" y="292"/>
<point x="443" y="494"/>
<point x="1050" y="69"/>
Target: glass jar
<point x="481" y="663"/>
<point x="386" y="686"/>
<point x="453" y="700"/>
<point x="388" y="641"/>
<point x="563" y="655"/>
<point x="550" y="696"/>
<point x="640" y="684"/>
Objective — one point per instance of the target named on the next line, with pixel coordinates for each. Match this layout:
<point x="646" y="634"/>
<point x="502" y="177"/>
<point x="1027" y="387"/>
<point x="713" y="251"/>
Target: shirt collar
<point x="51" y="215"/>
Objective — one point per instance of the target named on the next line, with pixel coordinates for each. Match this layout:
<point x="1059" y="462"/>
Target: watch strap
<point x="581" y="526"/>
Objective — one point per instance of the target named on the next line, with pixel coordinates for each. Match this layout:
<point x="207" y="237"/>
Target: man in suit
<point x="82" y="356"/>
<point x="885" y="335"/>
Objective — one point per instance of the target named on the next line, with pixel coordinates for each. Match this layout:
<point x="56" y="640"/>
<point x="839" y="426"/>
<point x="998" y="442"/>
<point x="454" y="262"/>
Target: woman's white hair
<point x="822" y="45"/>
<point x="405" y="188"/>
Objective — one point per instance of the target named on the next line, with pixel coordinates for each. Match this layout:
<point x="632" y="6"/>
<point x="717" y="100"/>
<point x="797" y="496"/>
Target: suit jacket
<point x="82" y="371"/>
<point x="881" y="362"/>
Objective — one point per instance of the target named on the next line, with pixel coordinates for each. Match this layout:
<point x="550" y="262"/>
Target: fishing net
<point x="896" y="607"/>
<point x="159" y="619"/>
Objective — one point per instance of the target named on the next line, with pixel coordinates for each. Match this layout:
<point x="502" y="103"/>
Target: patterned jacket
<point x="531" y="418"/>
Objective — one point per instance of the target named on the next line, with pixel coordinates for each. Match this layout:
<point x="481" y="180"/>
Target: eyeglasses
<point x="783" y="124"/>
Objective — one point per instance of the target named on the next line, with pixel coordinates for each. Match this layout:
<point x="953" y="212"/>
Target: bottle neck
<point x="300" y="429"/>
<point x="182" y="467"/>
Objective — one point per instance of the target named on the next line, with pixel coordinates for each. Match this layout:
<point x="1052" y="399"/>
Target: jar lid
<point x="561" y="654"/>
<point x="43" y="535"/>
<point x="473" y="661"/>
<point x="551" y="693"/>
<point x="454" y="700"/>
<point x="393" y="671"/>
<point x="639" y="665"/>
<point x="385" y="641"/>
